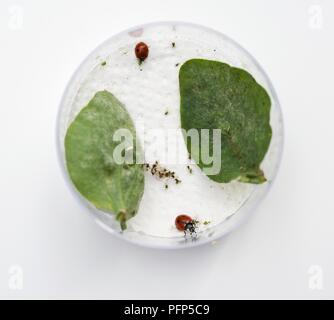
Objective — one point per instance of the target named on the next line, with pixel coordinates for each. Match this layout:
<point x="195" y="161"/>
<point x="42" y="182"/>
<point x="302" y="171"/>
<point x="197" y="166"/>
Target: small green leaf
<point x="215" y="95"/>
<point x="89" y="146"/>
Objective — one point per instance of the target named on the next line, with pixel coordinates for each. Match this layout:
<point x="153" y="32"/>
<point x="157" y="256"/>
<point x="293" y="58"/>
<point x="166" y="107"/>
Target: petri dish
<point x="150" y="92"/>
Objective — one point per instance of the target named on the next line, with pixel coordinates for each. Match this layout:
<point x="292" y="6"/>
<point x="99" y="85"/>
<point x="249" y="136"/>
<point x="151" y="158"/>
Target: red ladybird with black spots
<point x="186" y="224"/>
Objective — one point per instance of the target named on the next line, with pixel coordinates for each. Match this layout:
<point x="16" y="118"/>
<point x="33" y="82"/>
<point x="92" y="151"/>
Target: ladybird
<point x="141" y="51"/>
<point x="186" y="224"/>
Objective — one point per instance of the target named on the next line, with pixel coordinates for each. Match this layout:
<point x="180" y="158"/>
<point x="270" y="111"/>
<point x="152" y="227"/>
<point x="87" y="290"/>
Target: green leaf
<point x="89" y="148"/>
<point x="215" y="95"/>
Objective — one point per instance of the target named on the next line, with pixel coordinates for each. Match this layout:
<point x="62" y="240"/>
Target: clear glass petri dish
<point x="192" y="41"/>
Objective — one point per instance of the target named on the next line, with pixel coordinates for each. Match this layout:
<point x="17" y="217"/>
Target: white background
<point x="64" y="254"/>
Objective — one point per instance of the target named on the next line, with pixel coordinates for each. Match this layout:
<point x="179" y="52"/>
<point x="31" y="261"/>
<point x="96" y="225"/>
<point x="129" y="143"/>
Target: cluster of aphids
<point x="160" y="172"/>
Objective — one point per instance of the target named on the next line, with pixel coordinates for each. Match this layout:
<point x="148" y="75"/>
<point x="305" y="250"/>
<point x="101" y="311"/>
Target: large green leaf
<point x="89" y="147"/>
<point x="215" y="95"/>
